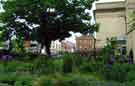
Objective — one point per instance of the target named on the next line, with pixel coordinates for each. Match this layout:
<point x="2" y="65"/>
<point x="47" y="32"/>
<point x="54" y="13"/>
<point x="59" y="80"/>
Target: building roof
<point x="84" y="37"/>
<point x="105" y="1"/>
<point x="110" y="5"/>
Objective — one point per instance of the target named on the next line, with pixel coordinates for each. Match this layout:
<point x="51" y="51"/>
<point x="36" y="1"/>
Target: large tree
<point x="45" y="20"/>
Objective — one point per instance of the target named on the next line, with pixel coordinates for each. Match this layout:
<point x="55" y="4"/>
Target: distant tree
<point x="45" y="20"/>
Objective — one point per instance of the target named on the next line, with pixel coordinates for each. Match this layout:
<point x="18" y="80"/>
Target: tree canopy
<point x="45" y="20"/>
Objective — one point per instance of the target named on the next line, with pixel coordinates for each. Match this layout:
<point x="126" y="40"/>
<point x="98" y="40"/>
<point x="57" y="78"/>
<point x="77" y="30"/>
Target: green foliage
<point x="16" y="79"/>
<point x="89" y="67"/>
<point x="69" y="80"/>
<point x="72" y="62"/>
<point x="68" y="63"/>
<point x="42" y="65"/>
<point x="14" y="66"/>
<point x="66" y="17"/>
<point x="17" y="46"/>
<point x="24" y="81"/>
<point x="1" y="84"/>
<point x="108" y="50"/>
<point x="80" y="71"/>
<point x="115" y="73"/>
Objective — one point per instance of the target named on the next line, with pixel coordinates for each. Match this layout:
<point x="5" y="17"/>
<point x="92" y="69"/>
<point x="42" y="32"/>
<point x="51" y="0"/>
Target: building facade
<point x="111" y="17"/>
<point x="114" y="19"/>
<point x="63" y="46"/>
<point x="56" y="47"/>
<point x="84" y="43"/>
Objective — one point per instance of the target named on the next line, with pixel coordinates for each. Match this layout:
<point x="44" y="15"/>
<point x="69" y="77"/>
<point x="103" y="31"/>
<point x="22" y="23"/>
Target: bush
<point x="24" y="57"/>
<point x="68" y="80"/>
<point x="8" y="78"/>
<point x="131" y="72"/>
<point x="16" y="79"/>
<point x="57" y="65"/>
<point x="72" y="62"/>
<point x="67" y="63"/>
<point x="115" y="73"/>
<point x="120" y="72"/>
<point x="130" y="83"/>
<point x="91" y="67"/>
<point x="41" y="65"/>
<point x="85" y="80"/>
<point x="131" y="76"/>
<point x="43" y="81"/>
<point x="14" y="66"/>
<point x="44" y="65"/>
<point x="25" y="80"/>
<point x="1" y="84"/>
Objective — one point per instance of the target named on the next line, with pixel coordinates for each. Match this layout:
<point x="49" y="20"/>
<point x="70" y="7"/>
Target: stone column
<point x="130" y="7"/>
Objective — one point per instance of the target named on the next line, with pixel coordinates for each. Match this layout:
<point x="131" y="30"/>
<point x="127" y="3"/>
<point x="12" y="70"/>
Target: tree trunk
<point x="94" y="48"/>
<point x="48" y="45"/>
<point x="48" y="51"/>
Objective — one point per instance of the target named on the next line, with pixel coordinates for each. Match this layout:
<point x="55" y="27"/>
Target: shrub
<point x="1" y="84"/>
<point x="40" y="65"/>
<point x="131" y="72"/>
<point x="115" y="73"/>
<point x="84" y="80"/>
<point x="57" y="65"/>
<point x="17" y="79"/>
<point x="43" y="65"/>
<point x="120" y="72"/>
<point x="72" y="62"/>
<point x="68" y="80"/>
<point x="8" y="78"/>
<point x="91" y="67"/>
<point x="130" y="83"/>
<point x="43" y="81"/>
<point x="67" y="63"/>
<point x="24" y="80"/>
<point x="2" y="68"/>
<point x="131" y="76"/>
<point x="14" y="66"/>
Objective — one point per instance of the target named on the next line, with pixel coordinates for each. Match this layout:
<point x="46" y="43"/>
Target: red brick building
<point x="84" y="43"/>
